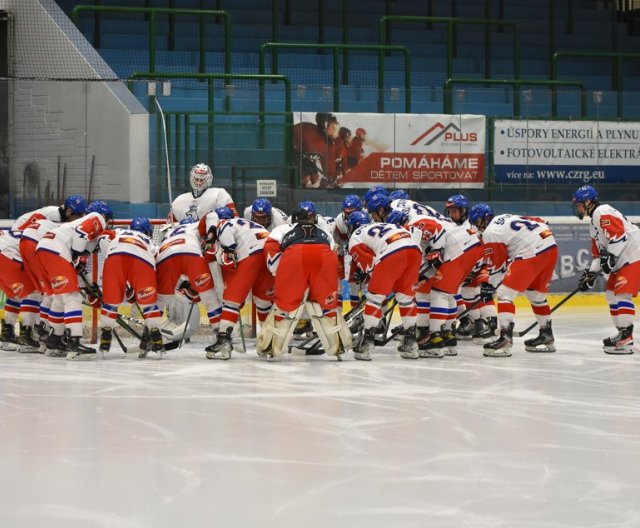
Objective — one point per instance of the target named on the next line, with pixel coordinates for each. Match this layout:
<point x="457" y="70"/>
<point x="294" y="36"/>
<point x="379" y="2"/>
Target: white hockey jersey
<point x="509" y="237"/>
<point x="133" y="243"/>
<point x="79" y="236"/>
<point x="371" y="243"/>
<point x="10" y="247"/>
<point x="244" y="237"/>
<point x="49" y="212"/>
<point x="37" y="229"/>
<point x="611" y="231"/>
<point x="182" y="239"/>
<point x="186" y="206"/>
<point x="278" y="217"/>
<point x="441" y="235"/>
<point x="414" y="209"/>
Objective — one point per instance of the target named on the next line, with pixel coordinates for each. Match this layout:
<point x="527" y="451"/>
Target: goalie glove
<point x="486" y="292"/>
<point x="185" y="289"/>
<point x="587" y="280"/>
<point x="607" y="261"/>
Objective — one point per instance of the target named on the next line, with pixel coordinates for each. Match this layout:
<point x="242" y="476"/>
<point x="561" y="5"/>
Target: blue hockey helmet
<point x="76" y="204"/>
<point x="224" y="213"/>
<point x="376" y="189"/>
<point x="459" y="202"/>
<point x="480" y="215"/>
<point x="142" y="224"/>
<point x="261" y="207"/>
<point x="378" y="201"/>
<point x="399" y="194"/>
<point x="587" y="197"/>
<point x="305" y="213"/>
<point x="358" y="219"/>
<point x="98" y="206"/>
<point x="398" y="216"/>
<point x="351" y="203"/>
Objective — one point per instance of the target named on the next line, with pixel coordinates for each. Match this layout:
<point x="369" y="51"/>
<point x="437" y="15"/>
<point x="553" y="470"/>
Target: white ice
<point x="535" y="440"/>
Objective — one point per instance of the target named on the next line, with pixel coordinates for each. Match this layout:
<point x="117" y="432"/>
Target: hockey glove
<point x="229" y="260"/>
<point x="93" y="301"/>
<point x="129" y="294"/>
<point x="587" y="280"/>
<point x="607" y="261"/>
<point x="80" y="261"/>
<point x="434" y="259"/>
<point x="361" y="277"/>
<point x="486" y="292"/>
<point x="185" y="289"/>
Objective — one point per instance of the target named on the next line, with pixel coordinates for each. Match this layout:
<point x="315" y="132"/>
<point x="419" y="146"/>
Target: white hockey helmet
<point x="200" y="178"/>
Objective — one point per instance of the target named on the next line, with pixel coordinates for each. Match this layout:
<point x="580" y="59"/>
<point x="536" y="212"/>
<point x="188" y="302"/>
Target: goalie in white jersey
<point x="202" y="199"/>
<point x="523" y="251"/>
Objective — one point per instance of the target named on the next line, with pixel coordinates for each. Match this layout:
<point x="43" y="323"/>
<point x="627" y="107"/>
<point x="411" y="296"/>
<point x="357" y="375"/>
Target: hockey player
<point x="356" y="150"/>
<point x="391" y="258"/>
<point x="399" y="194"/>
<point x="181" y="267"/>
<point x="60" y="254"/>
<point x="450" y="253"/>
<point x="301" y="256"/>
<point x="37" y="223"/>
<point x="16" y="284"/>
<point x="350" y="204"/>
<point x="262" y="212"/>
<point x="130" y="272"/>
<point x="244" y="270"/>
<point x="481" y="320"/>
<point x="615" y="245"/>
<point x="202" y="198"/>
<point x="523" y="250"/>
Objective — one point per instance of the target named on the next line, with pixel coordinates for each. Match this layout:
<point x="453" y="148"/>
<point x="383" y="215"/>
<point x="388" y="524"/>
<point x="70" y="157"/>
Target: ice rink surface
<point x="533" y="440"/>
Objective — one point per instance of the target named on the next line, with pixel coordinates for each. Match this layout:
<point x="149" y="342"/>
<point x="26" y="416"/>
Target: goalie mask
<point x="200" y="179"/>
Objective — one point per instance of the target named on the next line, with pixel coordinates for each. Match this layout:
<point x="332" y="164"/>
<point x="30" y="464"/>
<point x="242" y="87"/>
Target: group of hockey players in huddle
<point x="443" y="271"/>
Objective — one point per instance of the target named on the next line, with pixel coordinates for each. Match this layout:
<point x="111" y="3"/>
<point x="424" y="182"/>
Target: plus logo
<point x="451" y="132"/>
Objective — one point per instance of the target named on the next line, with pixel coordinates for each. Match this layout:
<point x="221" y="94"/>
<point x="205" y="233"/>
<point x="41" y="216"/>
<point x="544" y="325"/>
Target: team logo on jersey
<point x="331" y="298"/>
<point x="176" y="242"/>
<point x="49" y="235"/>
<point x="146" y="293"/>
<point x="620" y="283"/>
<point x="134" y="241"/>
<point x="202" y="280"/>
<point x="17" y="288"/>
<point x="262" y="234"/>
<point x="397" y="236"/>
<point x="59" y="282"/>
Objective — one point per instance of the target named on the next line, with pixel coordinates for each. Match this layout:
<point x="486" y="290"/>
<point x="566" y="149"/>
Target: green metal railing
<point x="210" y="78"/>
<point x="452" y="23"/>
<point x="517" y="83"/>
<point x="152" y="12"/>
<point x="335" y="48"/>
<point x="616" y="75"/>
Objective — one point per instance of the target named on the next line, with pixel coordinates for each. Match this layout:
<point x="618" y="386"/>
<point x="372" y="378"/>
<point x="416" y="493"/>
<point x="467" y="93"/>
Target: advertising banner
<point x="402" y="150"/>
<point x="578" y="152"/>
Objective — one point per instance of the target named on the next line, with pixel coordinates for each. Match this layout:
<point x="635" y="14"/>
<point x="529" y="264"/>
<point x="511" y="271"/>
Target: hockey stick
<point x="186" y="325"/>
<point x="119" y="340"/>
<point x="560" y="303"/>
<point x="244" y="346"/>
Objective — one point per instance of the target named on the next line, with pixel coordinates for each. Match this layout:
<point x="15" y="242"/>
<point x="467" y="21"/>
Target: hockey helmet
<point x="376" y="189"/>
<point x="351" y="203"/>
<point x="344" y="133"/>
<point x="399" y="194"/>
<point x="305" y="213"/>
<point x="200" y="178"/>
<point x="361" y="132"/>
<point x="224" y="213"/>
<point x="398" y="216"/>
<point x="460" y="203"/>
<point x="378" y="204"/>
<point x="76" y="204"/>
<point x="324" y="119"/>
<point x="480" y="215"/>
<point x="358" y="219"/>
<point x="98" y="206"/>
<point x="585" y="200"/>
<point x="142" y="224"/>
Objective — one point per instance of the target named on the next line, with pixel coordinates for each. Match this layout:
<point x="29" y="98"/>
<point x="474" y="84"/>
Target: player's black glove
<point x="486" y="292"/>
<point x="587" y="280"/>
<point x="607" y="261"/>
<point x="129" y="294"/>
<point x="434" y="259"/>
<point x="360" y="276"/>
<point x="185" y="289"/>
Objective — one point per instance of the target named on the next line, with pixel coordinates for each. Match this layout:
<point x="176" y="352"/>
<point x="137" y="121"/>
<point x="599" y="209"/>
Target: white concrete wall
<point x="72" y="120"/>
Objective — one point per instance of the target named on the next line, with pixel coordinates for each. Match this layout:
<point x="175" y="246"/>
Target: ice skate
<point x="485" y="330"/>
<point x="8" y="339"/>
<point x="223" y="346"/>
<point x="433" y="347"/>
<point x="362" y="350"/>
<point x="55" y="346"/>
<point x="450" y="343"/>
<point x="621" y="343"/>
<point x="105" y="340"/>
<point x="501" y="347"/>
<point x="26" y="342"/>
<point x="409" y="347"/>
<point x="76" y="351"/>
<point x="465" y="329"/>
<point x="304" y="330"/>
<point x="542" y="343"/>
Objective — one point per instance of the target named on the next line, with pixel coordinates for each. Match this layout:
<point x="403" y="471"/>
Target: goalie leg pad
<point x="275" y="335"/>
<point x="334" y="334"/>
